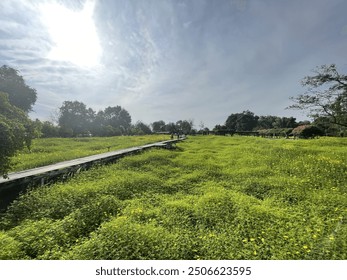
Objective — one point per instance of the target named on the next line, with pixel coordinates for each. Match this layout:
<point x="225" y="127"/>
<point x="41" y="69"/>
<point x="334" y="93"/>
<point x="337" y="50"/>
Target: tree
<point x="13" y="132"/>
<point x="171" y="128"/>
<point x="49" y="130"/>
<point x="141" y="129"/>
<point x="267" y="122"/>
<point x="33" y="130"/>
<point x="19" y="93"/>
<point x="285" y="122"/>
<point x="158" y="126"/>
<point x="307" y="131"/>
<point x="245" y="121"/>
<point x="184" y="126"/>
<point x="326" y="95"/>
<point x="75" y="119"/>
<point x="117" y="117"/>
<point x="329" y="129"/>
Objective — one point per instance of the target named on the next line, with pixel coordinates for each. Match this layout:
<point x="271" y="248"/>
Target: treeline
<point x="75" y="119"/>
<point x="269" y="126"/>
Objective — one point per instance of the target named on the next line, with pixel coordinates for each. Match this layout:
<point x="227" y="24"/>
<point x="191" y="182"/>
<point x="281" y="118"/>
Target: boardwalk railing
<point x="19" y="182"/>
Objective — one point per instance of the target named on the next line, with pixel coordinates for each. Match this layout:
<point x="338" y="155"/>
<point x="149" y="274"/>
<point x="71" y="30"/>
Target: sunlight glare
<point x="73" y="33"/>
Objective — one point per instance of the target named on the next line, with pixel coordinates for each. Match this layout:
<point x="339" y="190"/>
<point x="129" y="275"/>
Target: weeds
<point x="214" y="198"/>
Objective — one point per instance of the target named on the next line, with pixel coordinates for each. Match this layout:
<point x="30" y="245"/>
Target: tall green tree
<point x="184" y="126"/>
<point x="327" y="127"/>
<point x="48" y="130"/>
<point x="118" y="118"/>
<point x="267" y="122"/>
<point x="141" y="128"/>
<point x="285" y="122"/>
<point x="158" y="126"/>
<point x="75" y="118"/>
<point x="171" y="127"/>
<point x="19" y="93"/>
<point x="245" y="121"/>
<point x="326" y="95"/>
<point x="14" y="134"/>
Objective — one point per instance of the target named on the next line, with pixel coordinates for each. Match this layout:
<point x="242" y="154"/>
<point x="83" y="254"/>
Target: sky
<point x="199" y="60"/>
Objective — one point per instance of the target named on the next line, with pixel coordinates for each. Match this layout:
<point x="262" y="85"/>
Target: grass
<point x="53" y="150"/>
<point x="212" y="198"/>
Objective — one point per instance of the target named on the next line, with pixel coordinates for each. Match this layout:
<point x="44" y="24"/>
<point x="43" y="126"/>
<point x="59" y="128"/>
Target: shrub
<point x="10" y="248"/>
<point x="123" y="239"/>
<point x="307" y="131"/>
<point x="37" y="237"/>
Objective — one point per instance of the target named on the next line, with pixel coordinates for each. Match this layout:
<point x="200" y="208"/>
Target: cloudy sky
<point x="172" y="59"/>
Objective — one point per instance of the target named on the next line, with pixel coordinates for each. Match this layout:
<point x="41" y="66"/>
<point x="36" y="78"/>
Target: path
<point x="19" y="181"/>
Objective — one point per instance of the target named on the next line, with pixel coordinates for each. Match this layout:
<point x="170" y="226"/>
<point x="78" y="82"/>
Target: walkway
<point x="19" y="181"/>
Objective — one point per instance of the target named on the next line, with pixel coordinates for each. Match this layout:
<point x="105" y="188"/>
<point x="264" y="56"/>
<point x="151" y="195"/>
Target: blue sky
<point x="172" y="60"/>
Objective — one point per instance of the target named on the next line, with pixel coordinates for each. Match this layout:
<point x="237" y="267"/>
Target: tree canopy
<point x="118" y="118"/>
<point x="19" y="93"/>
<point x="158" y="126"/>
<point x="75" y="118"/>
<point x="326" y="95"/>
<point x="245" y="121"/>
<point x="14" y="132"/>
<point x="268" y="122"/>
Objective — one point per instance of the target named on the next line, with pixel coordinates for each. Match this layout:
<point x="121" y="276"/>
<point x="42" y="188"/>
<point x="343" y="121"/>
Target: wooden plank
<point x="64" y="164"/>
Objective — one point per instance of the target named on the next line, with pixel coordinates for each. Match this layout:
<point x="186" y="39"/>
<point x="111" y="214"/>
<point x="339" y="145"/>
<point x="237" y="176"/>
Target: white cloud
<point x="178" y="59"/>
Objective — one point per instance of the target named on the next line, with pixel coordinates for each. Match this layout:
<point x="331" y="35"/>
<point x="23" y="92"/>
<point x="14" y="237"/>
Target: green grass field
<point x="53" y="150"/>
<point x="211" y="198"/>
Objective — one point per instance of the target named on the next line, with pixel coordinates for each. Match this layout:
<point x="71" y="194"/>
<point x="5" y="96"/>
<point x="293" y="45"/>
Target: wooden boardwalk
<point x="18" y="182"/>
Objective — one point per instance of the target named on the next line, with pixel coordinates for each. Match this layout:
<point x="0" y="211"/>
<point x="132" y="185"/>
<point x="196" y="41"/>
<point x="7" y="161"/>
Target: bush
<point x="307" y="131"/>
<point x="37" y="237"/>
<point x="14" y="132"/>
<point x="123" y="239"/>
<point x="10" y="248"/>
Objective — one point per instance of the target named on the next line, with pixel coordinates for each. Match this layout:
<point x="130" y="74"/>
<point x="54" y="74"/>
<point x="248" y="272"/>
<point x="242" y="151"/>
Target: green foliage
<point x="11" y="249"/>
<point x="123" y="239"/>
<point x="307" y="131"/>
<point x="20" y="94"/>
<point x="141" y="129"/>
<point x="245" y="121"/>
<point x="49" y="130"/>
<point x="14" y="132"/>
<point x="75" y="118"/>
<point x="326" y="95"/>
<point x="211" y="198"/>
